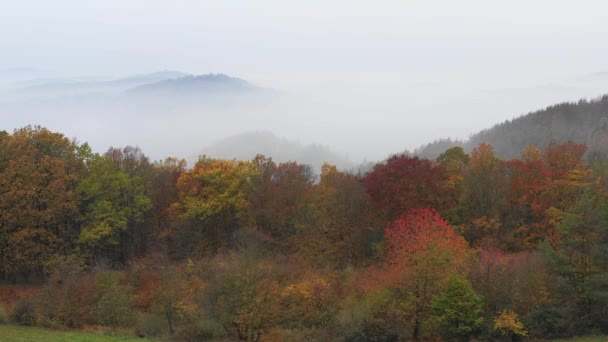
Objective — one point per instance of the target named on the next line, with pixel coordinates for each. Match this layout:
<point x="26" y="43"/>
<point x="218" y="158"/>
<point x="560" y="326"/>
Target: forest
<point x="464" y="246"/>
<point x="584" y="122"/>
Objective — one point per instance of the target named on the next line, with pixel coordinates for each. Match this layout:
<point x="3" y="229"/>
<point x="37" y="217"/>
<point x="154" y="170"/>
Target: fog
<point x="364" y="79"/>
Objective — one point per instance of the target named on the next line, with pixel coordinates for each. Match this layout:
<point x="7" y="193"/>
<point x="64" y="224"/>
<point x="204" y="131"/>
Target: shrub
<point x="550" y="322"/>
<point x="115" y="307"/>
<point x="202" y="330"/>
<point x="68" y="302"/>
<point x="3" y="315"/>
<point x="150" y="325"/>
<point x="24" y="312"/>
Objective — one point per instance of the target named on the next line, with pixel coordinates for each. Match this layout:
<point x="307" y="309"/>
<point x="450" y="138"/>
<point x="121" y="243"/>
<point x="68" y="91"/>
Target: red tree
<point x="404" y="183"/>
<point x="422" y="253"/>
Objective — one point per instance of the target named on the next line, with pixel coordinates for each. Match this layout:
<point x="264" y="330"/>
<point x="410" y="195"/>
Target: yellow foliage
<point x="508" y="322"/>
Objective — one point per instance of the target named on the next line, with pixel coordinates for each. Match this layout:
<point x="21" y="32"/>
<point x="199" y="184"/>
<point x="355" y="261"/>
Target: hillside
<point x="582" y="122"/>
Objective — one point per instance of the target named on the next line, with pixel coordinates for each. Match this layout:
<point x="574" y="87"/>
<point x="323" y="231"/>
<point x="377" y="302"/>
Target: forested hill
<point x="583" y="122"/>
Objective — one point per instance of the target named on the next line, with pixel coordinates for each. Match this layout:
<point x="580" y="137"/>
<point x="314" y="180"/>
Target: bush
<point x="202" y="330"/>
<point x="115" y="300"/>
<point x="150" y="325"/>
<point x="68" y="302"/>
<point x="24" y="312"/>
<point x="550" y="322"/>
<point x="3" y="315"/>
<point x="115" y="307"/>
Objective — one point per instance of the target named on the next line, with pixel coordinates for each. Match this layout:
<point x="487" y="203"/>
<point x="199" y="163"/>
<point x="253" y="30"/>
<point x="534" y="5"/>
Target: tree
<point x="454" y="160"/>
<point x="422" y="253"/>
<point x="169" y="295"/>
<point x="163" y="192"/>
<point x="213" y="198"/>
<point x="524" y="204"/>
<point x="508" y="323"/>
<point x="457" y="310"/>
<point x="39" y="173"/>
<point x="137" y="166"/>
<point x="480" y="182"/>
<point x="577" y="254"/>
<point x="337" y="231"/>
<point x="564" y="157"/>
<point x="404" y="183"/>
<point x="113" y="204"/>
<point x="243" y="296"/>
<point x="280" y="196"/>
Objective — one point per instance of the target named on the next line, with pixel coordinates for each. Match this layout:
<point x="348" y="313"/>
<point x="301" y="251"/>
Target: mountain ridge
<point x="583" y="122"/>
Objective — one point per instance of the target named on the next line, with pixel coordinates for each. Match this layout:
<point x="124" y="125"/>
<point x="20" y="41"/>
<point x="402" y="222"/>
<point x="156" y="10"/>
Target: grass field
<point x="586" y="339"/>
<point x="11" y="333"/>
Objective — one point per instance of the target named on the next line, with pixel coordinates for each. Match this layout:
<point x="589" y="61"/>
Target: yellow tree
<point x="213" y="199"/>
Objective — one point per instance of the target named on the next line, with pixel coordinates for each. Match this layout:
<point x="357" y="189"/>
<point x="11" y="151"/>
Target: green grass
<point x="12" y="333"/>
<point x="585" y="339"/>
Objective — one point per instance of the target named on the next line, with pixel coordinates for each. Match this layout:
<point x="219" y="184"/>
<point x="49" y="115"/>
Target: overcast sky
<point x="403" y="72"/>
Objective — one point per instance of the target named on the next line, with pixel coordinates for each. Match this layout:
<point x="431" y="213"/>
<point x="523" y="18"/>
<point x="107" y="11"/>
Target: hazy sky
<point x="401" y="72"/>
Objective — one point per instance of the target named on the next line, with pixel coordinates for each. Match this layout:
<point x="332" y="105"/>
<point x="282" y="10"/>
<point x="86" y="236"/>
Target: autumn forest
<point x="465" y="246"/>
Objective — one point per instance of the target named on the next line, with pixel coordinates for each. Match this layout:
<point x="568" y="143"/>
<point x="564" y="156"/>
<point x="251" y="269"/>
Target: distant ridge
<point x="188" y="85"/>
<point x="151" y="77"/>
<point x="584" y="122"/>
<point x="71" y="86"/>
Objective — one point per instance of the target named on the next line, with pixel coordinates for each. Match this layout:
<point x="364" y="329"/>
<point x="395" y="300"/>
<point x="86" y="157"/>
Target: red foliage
<point x="564" y="157"/>
<point x="149" y="284"/>
<point x="527" y="181"/>
<point x="418" y="244"/>
<point x="421" y="230"/>
<point x="404" y="183"/>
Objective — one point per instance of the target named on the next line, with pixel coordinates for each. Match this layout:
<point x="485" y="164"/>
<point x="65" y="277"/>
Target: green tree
<point x="115" y="300"/>
<point x="113" y="204"/>
<point x="457" y="310"/>
<point x="577" y="252"/>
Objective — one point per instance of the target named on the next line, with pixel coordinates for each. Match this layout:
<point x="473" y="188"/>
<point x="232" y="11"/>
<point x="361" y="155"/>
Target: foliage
<point x="213" y="196"/>
<point x="422" y="253"/>
<point x="507" y="323"/>
<point x="550" y="322"/>
<point x="39" y="173"/>
<point x="254" y="250"/>
<point x="150" y="325"/>
<point x="24" y="312"/>
<point x="114" y="203"/>
<point x="115" y="300"/>
<point x="242" y="296"/>
<point x="457" y="310"/>
<point x="404" y="183"/>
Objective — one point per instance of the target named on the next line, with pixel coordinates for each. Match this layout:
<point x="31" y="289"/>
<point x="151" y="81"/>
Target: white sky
<point x="401" y="72"/>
